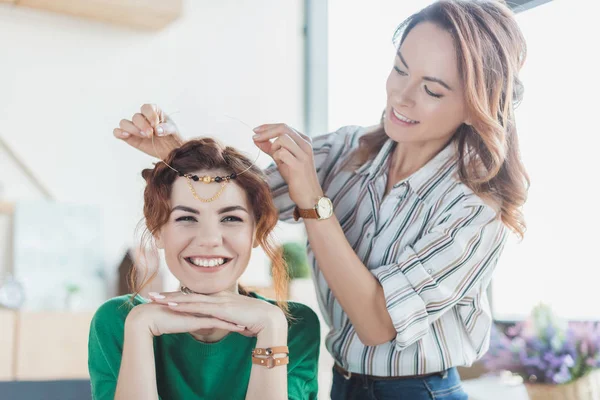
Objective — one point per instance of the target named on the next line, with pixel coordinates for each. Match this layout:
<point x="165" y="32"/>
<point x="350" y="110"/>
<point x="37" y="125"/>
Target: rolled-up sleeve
<point x="328" y="150"/>
<point x="432" y="275"/>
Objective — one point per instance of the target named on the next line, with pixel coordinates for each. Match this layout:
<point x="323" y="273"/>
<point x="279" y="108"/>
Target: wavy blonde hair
<point x="490" y="50"/>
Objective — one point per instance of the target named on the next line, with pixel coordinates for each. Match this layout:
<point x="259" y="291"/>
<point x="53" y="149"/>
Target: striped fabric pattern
<point x="431" y="243"/>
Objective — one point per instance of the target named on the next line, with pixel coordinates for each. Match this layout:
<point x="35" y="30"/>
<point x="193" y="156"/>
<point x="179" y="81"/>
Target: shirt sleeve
<point x="328" y="151"/>
<point x="105" y="346"/>
<point x="304" y="344"/>
<point x="454" y="257"/>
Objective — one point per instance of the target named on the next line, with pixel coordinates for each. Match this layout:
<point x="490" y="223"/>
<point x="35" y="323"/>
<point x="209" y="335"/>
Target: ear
<point x="159" y="242"/>
<point x="255" y="243"/>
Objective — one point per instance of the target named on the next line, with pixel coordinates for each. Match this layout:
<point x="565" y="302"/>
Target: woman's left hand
<point x="293" y="153"/>
<point x="254" y="314"/>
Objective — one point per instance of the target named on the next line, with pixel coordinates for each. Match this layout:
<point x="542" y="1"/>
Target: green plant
<point x="294" y="254"/>
<point x="72" y="288"/>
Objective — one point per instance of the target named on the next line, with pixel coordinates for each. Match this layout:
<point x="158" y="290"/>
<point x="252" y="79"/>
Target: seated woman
<point x="206" y="206"/>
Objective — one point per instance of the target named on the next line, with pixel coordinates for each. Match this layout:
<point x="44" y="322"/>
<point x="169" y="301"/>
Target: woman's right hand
<point x="159" y="319"/>
<point x="150" y="122"/>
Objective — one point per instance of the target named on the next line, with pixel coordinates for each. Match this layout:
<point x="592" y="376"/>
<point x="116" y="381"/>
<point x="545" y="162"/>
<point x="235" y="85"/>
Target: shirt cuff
<point x="401" y="288"/>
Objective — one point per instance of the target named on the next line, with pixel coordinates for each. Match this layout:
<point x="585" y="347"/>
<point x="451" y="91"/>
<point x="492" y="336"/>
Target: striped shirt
<point x="430" y="242"/>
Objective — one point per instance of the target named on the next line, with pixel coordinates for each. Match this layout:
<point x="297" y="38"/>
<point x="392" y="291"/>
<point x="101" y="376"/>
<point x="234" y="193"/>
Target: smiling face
<point x="425" y="99"/>
<point x="208" y="245"/>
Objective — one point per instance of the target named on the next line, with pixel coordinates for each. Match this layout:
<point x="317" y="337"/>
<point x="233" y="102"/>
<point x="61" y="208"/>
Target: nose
<point x="404" y="96"/>
<point x="208" y="236"/>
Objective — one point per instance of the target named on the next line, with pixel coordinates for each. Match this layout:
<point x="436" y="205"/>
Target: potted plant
<point x="294" y="254"/>
<point x="556" y="359"/>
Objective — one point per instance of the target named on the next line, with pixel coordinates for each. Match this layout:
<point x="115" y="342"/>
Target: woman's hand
<point x="257" y="316"/>
<point x="293" y="153"/>
<point x="150" y="122"/>
<point x="160" y="319"/>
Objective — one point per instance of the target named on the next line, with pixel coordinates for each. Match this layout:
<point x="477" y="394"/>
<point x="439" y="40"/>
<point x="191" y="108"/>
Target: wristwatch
<point x="322" y="210"/>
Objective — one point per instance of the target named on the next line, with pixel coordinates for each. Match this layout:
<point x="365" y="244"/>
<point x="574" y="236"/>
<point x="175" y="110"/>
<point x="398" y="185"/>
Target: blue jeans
<point x="435" y="387"/>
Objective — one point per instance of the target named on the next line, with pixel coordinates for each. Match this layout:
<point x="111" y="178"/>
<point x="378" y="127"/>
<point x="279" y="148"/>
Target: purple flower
<point x="546" y="348"/>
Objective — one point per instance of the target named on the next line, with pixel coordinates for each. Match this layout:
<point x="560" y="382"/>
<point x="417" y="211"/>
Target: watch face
<point x="324" y="208"/>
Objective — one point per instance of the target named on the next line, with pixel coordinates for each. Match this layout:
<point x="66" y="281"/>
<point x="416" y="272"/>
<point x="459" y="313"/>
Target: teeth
<point x="207" y="262"/>
<point x="403" y="118"/>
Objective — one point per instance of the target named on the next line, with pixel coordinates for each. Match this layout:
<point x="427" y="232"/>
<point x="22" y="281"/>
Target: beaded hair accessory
<point x="222" y="180"/>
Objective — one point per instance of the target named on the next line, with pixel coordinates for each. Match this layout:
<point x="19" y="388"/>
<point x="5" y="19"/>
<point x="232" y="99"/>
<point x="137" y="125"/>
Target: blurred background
<point x="71" y="194"/>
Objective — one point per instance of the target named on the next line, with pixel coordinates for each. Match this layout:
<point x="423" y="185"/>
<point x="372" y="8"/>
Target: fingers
<point x="152" y="114"/>
<point x="286" y="142"/>
<point x="271" y="131"/>
<point x="121" y="134"/>
<point x="283" y="156"/>
<point x="215" y="323"/>
<point x="166" y="128"/>
<point x="158" y="120"/>
<point x="128" y="126"/>
<point x="178" y="296"/>
<point x="142" y="124"/>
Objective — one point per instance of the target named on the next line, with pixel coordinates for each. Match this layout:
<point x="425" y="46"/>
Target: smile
<point x="206" y="262"/>
<point x="403" y="118"/>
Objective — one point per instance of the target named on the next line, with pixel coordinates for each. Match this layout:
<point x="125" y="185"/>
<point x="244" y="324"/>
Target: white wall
<point x="65" y="84"/>
<point x="361" y="55"/>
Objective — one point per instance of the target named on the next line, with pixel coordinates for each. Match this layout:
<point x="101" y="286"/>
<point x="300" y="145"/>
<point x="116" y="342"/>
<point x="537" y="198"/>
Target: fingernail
<point x="172" y="304"/>
<point x="144" y="134"/>
<point x="125" y="134"/>
<point x="149" y="132"/>
<point x="160" y="131"/>
<point x="241" y="326"/>
<point x="255" y="137"/>
<point x="156" y="295"/>
<point x="258" y="129"/>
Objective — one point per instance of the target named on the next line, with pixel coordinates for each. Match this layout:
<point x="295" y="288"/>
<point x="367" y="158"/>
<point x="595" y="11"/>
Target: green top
<point x="189" y="369"/>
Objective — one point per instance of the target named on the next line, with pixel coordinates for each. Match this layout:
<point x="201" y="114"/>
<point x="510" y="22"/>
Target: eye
<point x="429" y="92"/>
<point x="187" y="218"/>
<point x="232" y="218"/>
<point x="398" y="70"/>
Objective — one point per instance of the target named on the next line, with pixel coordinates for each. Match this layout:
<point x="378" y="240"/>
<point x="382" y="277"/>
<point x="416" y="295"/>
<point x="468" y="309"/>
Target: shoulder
<point x="303" y="318"/>
<point x="345" y="138"/>
<point x="114" y="311"/>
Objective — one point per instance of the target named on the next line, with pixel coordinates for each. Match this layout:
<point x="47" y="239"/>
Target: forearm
<point x="137" y="375"/>
<point x="269" y="384"/>
<point x="359" y="293"/>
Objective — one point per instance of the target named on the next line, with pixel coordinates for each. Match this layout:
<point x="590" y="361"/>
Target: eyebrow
<point x="221" y="211"/>
<point x="425" y="78"/>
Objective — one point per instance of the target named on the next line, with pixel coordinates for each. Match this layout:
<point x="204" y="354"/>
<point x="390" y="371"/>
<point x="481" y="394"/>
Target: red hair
<point x="209" y="154"/>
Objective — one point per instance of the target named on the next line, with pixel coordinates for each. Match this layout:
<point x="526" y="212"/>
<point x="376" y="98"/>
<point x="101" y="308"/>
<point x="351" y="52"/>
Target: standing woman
<point x="406" y="220"/>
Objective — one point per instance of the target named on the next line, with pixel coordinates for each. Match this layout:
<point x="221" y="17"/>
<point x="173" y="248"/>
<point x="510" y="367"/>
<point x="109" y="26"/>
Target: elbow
<point x="376" y="337"/>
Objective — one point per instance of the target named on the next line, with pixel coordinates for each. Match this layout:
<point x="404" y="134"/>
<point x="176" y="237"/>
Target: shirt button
<point x="429" y="271"/>
<point x="369" y="235"/>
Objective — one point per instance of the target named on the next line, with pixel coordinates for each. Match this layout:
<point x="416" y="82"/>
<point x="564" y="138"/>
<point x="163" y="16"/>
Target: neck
<point x="213" y="335"/>
<point x="407" y="158"/>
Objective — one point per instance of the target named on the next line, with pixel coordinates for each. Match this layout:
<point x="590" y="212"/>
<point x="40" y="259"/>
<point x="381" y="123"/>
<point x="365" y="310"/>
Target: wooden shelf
<point x="138" y="14"/>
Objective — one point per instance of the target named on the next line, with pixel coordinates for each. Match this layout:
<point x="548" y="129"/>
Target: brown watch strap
<point x="271" y="362"/>
<point x="309" y="213"/>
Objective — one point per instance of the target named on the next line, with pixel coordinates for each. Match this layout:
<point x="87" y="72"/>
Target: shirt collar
<point x="441" y="165"/>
